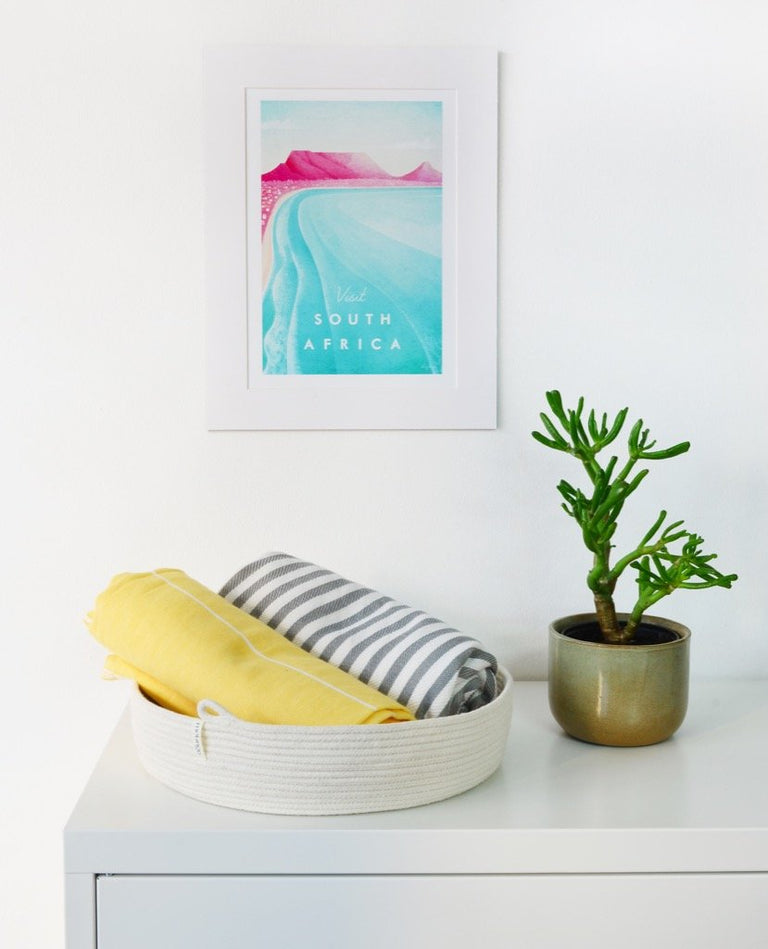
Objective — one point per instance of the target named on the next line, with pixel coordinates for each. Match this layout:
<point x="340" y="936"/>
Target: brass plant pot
<point x="626" y="695"/>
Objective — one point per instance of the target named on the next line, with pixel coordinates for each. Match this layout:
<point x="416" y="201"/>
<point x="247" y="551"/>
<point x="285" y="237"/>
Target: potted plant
<point x="621" y="678"/>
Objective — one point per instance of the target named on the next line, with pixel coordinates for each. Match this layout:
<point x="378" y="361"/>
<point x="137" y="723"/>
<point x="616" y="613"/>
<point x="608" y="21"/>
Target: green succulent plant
<point x="668" y="557"/>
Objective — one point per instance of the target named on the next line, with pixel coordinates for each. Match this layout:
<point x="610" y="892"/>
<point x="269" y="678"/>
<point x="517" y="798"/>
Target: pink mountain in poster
<point x="319" y="166"/>
<point x="343" y="166"/>
<point x="425" y="173"/>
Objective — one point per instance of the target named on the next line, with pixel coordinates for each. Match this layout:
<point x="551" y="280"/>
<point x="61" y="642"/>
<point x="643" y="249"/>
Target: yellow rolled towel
<point x="183" y="643"/>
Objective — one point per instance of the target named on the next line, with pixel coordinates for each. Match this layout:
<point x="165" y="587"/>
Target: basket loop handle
<point x="207" y="710"/>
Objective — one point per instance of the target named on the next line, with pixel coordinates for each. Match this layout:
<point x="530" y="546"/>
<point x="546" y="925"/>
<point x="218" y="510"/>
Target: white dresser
<point x="567" y="844"/>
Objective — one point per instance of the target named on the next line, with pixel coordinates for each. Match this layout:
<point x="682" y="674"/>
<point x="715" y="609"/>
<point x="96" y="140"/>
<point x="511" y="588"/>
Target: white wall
<point x="633" y="238"/>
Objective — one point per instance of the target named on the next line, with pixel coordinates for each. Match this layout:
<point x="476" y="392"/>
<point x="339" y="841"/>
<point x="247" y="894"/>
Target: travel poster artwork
<point x="350" y="232"/>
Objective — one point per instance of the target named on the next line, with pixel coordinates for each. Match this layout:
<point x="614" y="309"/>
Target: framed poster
<point x="351" y="238"/>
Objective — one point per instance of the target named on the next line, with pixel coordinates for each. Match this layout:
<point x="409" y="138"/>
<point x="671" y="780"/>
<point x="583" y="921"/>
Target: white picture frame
<point x="248" y="91"/>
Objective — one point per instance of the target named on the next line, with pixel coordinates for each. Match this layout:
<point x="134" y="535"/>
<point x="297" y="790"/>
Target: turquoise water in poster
<point x="355" y="282"/>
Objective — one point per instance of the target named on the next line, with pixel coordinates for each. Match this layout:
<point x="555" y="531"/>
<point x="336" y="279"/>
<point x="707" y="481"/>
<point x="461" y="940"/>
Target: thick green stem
<point x="606" y="618"/>
<point x="628" y="633"/>
<point x="602" y="585"/>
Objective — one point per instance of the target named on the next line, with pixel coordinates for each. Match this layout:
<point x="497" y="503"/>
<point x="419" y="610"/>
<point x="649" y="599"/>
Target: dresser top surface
<point x="554" y="805"/>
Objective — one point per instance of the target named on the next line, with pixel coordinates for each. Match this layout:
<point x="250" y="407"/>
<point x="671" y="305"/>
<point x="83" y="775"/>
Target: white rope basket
<point x="340" y="769"/>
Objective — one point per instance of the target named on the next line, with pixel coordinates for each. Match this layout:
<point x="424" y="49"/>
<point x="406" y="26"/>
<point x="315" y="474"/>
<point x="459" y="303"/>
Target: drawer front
<point x="382" y="912"/>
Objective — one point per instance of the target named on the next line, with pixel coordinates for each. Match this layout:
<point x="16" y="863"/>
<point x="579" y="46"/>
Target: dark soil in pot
<point x="647" y="634"/>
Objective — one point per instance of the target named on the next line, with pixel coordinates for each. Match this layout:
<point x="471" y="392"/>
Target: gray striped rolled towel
<point x="414" y="658"/>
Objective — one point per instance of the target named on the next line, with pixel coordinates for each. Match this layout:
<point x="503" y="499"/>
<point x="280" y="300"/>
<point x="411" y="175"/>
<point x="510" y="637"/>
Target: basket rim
<point x="224" y="716"/>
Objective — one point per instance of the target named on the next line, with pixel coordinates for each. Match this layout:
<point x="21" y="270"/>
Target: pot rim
<point x="682" y="632"/>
